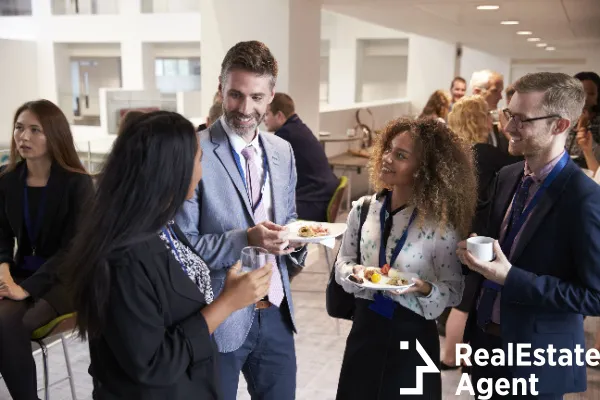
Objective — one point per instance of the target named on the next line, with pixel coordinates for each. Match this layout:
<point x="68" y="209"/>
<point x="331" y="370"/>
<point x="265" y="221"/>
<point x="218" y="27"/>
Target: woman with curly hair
<point x="426" y="200"/>
<point x="437" y="106"/>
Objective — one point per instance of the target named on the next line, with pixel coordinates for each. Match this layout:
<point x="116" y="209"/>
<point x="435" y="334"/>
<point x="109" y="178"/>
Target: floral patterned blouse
<point x="428" y="252"/>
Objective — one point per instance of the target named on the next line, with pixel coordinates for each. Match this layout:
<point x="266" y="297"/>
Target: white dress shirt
<point x="240" y="144"/>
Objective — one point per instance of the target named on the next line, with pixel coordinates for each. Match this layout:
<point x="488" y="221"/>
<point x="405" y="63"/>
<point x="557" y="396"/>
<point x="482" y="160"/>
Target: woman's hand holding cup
<point x="246" y="289"/>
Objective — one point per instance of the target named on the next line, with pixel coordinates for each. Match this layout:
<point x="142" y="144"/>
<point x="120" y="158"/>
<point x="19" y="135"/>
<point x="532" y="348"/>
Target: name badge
<point x="383" y="306"/>
<point x="33" y="263"/>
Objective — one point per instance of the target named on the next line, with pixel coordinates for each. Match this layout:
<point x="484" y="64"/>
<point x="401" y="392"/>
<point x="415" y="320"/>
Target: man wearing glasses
<point x="545" y="214"/>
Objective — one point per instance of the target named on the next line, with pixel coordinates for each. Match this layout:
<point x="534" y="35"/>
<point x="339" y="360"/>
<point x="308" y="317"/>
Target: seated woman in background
<point x="437" y="106"/>
<point x="42" y="192"/>
<point x="143" y="295"/>
<point x="426" y="203"/>
<point x="472" y="122"/>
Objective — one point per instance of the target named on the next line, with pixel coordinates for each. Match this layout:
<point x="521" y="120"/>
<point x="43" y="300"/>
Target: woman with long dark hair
<point x="143" y="295"/>
<point x="43" y="190"/>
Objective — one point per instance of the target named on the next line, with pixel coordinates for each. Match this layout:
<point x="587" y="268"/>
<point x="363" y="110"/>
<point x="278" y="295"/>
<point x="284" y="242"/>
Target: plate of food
<point x="314" y="232"/>
<point x="382" y="279"/>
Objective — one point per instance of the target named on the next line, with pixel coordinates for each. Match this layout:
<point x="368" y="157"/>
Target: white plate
<point x="335" y="230"/>
<point x="382" y="286"/>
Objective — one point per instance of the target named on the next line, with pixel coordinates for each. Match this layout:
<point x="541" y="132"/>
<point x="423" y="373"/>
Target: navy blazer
<point x="555" y="278"/>
<point x="316" y="180"/>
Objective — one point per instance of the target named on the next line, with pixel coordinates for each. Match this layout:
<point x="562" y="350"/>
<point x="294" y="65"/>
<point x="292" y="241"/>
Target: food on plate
<point x="314" y="230"/>
<point x="356" y="279"/>
<point x="370" y="271"/>
<point x="375" y="278"/>
<point x="385" y="269"/>
<point x="397" y="281"/>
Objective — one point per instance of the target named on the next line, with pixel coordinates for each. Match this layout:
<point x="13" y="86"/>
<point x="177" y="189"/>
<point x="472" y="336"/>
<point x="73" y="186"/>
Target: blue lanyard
<point x="33" y="231"/>
<point x="238" y="163"/>
<point x="514" y="230"/>
<point x="400" y="243"/>
<point x="170" y="235"/>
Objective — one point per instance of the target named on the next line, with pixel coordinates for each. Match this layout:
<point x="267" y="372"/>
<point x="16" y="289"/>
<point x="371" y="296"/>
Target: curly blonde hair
<point x="469" y="119"/>
<point x="445" y="188"/>
<point x="438" y="105"/>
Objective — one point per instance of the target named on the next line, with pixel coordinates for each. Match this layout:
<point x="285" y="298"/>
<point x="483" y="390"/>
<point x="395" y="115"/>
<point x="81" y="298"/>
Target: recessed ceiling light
<point x="509" y="22"/>
<point x="550" y="48"/>
<point x="490" y="7"/>
<point x="533" y="39"/>
<point x="524" y="33"/>
<point x="541" y="45"/>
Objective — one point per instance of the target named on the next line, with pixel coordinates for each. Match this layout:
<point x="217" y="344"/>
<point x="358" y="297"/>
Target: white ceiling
<point x="571" y="26"/>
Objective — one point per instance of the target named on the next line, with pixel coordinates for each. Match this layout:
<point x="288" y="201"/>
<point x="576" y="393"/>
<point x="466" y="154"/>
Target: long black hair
<point x="143" y="183"/>
<point x="591" y="76"/>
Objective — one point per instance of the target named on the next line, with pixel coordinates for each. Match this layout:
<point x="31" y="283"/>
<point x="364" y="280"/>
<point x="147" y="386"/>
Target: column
<point x="137" y="65"/>
<point x="290" y="28"/>
<point x="342" y="67"/>
<point x="54" y="79"/>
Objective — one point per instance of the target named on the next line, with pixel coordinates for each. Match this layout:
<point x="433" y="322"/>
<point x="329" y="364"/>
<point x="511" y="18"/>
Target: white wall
<point x="430" y="67"/>
<point x="19" y="82"/>
<point x="474" y="60"/>
<point x="383" y="77"/>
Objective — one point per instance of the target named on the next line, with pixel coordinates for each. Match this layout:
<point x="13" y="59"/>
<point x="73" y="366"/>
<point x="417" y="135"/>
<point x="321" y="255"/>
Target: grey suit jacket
<point x="215" y="221"/>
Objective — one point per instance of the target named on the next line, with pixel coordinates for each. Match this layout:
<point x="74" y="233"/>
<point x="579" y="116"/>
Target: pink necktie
<point x="254" y="187"/>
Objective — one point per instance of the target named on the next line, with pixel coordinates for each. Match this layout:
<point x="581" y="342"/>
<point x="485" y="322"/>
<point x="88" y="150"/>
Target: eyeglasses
<point x="519" y="122"/>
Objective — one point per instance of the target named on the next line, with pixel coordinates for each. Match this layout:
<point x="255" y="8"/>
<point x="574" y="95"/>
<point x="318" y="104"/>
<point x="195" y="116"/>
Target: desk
<point x="347" y="162"/>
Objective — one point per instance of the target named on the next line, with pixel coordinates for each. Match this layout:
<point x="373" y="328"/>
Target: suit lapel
<point x="505" y="195"/>
<point x="277" y="178"/>
<point x="545" y="204"/>
<point x="222" y="150"/>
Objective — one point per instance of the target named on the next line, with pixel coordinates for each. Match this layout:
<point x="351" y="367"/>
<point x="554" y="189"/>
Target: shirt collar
<point x="236" y="141"/>
<point x="545" y="171"/>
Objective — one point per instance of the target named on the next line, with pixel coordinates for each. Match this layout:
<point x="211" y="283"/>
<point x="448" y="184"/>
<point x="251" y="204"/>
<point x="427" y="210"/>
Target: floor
<point x="319" y="350"/>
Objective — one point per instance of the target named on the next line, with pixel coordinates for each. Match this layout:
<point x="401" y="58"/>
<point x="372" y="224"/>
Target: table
<point x="347" y="161"/>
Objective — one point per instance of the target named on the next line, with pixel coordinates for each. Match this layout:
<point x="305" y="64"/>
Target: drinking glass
<point x="253" y="258"/>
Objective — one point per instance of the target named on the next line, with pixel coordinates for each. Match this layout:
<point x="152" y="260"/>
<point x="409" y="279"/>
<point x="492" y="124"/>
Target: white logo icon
<point x="421" y="369"/>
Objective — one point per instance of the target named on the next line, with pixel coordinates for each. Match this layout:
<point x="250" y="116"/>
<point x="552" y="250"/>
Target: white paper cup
<point x="481" y="247"/>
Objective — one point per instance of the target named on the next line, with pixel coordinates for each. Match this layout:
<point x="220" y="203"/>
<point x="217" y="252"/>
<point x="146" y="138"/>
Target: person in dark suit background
<point x="470" y="120"/>
<point x="143" y="295"/>
<point x="545" y="211"/>
<point x="43" y="190"/>
<point x="316" y="181"/>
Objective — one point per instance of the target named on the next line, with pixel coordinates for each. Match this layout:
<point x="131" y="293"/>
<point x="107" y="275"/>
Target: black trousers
<point x="312" y="210"/>
<point x="482" y="340"/>
<point x="375" y="367"/>
<point x="18" y="319"/>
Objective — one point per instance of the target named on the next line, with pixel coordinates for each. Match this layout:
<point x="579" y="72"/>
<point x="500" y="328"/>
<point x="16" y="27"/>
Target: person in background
<point x="489" y="85"/>
<point x="215" y="112"/>
<point x="510" y="91"/>
<point x="583" y="140"/>
<point x="437" y="106"/>
<point x="316" y="182"/>
<point x="545" y="215"/>
<point x="458" y="88"/>
<point x="43" y="192"/>
<point x="471" y="121"/>
<point x="143" y="296"/>
<point x="246" y="198"/>
<point x="426" y="202"/>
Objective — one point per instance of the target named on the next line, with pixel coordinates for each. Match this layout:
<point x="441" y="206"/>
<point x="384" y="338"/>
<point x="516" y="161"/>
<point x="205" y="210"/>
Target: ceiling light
<point x="509" y="22"/>
<point x="524" y="33"/>
<point x="541" y="45"/>
<point x="550" y="48"/>
<point x="533" y="39"/>
<point x="490" y="7"/>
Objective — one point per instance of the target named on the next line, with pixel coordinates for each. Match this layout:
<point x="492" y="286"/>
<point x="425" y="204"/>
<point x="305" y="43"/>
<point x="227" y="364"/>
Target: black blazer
<point x="555" y="279"/>
<point x="316" y="181"/>
<point x="489" y="160"/>
<point x="156" y="343"/>
<point x="67" y="192"/>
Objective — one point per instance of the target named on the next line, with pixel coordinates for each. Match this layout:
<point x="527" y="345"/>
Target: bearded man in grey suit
<point x="246" y="197"/>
